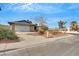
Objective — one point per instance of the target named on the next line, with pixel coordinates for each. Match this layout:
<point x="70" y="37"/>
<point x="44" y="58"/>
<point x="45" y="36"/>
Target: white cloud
<point x="73" y="6"/>
<point x="29" y="7"/>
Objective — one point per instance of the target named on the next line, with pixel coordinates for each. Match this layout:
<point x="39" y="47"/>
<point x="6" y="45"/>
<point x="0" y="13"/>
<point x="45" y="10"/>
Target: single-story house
<point x="22" y="26"/>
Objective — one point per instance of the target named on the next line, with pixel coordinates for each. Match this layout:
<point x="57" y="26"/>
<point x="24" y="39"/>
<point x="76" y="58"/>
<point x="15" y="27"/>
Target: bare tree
<point x="42" y="24"/>
<point x="41" y="21"/>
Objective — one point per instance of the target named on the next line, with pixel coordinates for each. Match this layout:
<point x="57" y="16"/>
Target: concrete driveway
<point x="40" y="46"/>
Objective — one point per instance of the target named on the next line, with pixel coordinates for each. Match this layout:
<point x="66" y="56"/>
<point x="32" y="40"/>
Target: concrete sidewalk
<point x="29" y="41"/>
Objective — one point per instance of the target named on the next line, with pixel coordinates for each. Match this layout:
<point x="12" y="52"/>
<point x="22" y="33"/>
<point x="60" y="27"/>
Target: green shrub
<point x="11" y="35"/>
<point x="7" y="34"/>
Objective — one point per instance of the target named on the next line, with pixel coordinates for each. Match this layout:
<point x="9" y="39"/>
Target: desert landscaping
<point x="39" y="29"/>
<point x="16" y="37"/>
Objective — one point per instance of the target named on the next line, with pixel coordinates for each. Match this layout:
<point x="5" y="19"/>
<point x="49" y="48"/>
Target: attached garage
<point x="22" y="26"/>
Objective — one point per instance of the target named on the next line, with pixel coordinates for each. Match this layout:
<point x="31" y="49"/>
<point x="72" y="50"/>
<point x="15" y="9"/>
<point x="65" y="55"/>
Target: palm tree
<point x="61" y="24"/>
<point x="74" y="26"/>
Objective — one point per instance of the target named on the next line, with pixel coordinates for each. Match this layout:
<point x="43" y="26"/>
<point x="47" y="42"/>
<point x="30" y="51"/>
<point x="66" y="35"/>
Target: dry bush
<point x="43" y="30"/>
<point x="54" y="32"/>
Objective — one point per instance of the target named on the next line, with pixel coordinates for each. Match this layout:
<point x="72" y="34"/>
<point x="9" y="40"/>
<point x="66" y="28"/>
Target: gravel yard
<point x="34" y="37"/>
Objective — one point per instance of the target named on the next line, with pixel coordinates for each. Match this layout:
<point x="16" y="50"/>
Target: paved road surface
<point x="62" y="47"/>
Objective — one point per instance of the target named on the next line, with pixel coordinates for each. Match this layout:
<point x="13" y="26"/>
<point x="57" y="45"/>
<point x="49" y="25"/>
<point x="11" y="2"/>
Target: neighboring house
<point x="22" y="26"/>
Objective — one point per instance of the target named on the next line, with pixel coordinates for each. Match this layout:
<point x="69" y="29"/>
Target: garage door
<point x="22" y="28"/>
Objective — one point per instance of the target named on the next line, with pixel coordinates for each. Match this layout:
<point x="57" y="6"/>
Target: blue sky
<point x="52" y="12"/>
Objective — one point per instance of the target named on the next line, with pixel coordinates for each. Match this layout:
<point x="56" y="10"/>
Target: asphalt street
<point x="61" y="47"/>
